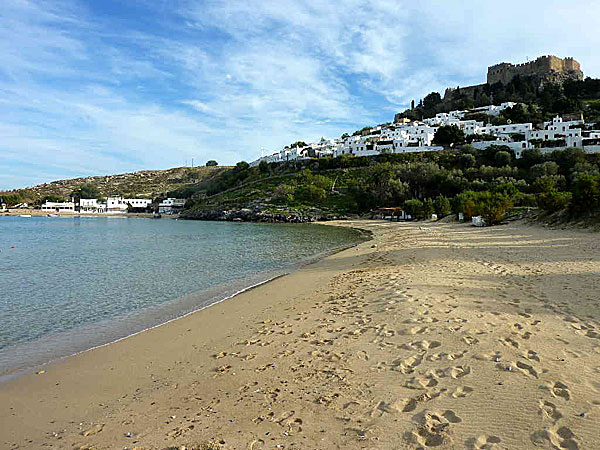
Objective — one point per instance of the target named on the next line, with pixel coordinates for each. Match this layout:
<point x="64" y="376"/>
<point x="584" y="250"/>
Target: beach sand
<point x="431" y="335"/>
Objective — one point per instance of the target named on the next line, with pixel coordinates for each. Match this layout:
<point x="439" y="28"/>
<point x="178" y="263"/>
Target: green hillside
<point x="487" y="182"/>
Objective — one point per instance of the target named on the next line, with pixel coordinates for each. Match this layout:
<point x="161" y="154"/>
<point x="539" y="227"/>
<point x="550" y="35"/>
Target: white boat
<point x="52" y="215"/>
<point x="24" y="215"/>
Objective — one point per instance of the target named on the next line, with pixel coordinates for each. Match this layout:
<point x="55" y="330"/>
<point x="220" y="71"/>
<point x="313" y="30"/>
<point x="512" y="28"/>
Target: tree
<point x="242" y="165"/>
<point x="442" y="206"/>
<point x="586" y="193"/>
<point x="492" y="206"/>
<point x="467" y="160"/>
<point x="414" y="208"/>
<point x="428" y="208"/>
<point x="553" y="201"/>
<point x="211" y="162"/>
<point x="311" y="193"/>
<point x="283" y="193"/>
<point x="502" y="158"/>
<point x="263" y="167"/>
<point x="448" y="135"/>
<point x="87" y="190"/>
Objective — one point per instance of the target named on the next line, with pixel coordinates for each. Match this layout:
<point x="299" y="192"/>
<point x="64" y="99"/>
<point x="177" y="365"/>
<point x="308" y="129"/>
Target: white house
<point x="559" y="130"/>
<point x="58" y="206"/>
<point x="91" y="205"/>
<point x="170" y="205"/>
<point x="120" y="205"/>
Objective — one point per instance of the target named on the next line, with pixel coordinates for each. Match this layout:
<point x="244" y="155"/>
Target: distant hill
<point x="145" y="184"/>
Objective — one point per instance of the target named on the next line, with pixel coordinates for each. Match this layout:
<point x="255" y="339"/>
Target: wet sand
<point x="429" y="336"/>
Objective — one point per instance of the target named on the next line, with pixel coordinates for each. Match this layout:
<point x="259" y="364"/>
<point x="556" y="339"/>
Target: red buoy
<point x="14" y="246"/>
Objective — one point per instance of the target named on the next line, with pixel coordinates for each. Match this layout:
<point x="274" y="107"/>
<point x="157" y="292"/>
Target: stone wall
<point x="551" y="67"/>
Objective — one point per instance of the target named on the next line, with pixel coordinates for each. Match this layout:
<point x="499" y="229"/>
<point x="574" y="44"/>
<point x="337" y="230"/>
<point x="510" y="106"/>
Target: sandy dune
<point x="442" y="336"/>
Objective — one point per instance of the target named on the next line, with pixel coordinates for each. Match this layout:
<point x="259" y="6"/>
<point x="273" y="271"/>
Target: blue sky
<point x="102" y="87"/>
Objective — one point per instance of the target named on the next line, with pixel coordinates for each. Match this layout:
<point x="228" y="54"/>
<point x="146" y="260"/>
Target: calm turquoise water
<point x="74" y="283"/>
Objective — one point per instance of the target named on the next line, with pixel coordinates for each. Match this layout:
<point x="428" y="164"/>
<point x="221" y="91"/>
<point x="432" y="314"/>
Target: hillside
<point x="473" y="182"/>
<point x="145" y="184"/>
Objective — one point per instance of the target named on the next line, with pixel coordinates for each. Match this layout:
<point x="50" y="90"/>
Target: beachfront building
<point x="91" y="206"/>
<point x="120" y="205"/>
<point x="58" y="207"/>
<point x="171" y="205"/>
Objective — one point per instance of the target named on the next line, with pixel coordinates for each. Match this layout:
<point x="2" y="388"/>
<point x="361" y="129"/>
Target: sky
<point x="103" y="87"/>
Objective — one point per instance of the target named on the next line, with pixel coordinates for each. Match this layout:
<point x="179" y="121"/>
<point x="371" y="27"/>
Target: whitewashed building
<point x="120" y="205"/>
<point x="58" y="207"/>
<point x="171" y="205"/>
<point x="91" y="206"/>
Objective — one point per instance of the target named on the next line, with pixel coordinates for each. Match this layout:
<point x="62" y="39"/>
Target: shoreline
<point x="216" y="294"/>
<point x="399" y="342"/>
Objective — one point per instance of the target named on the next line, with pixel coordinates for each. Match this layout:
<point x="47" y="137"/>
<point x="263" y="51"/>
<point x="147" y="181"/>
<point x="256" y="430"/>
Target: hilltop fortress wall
<point x="548" y="67"/>
<point x="544" y="69"/>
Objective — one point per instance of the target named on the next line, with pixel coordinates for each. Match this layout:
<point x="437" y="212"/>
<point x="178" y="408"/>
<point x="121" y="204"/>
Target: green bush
<point x="442" y="206"/>
<point x="428" y="208"/>
<point x="311" y="193"/>
<point x="586" y="193"/>
<point x="493" y="206"/>
<point x="283" y="193"/>
<point x="553" y="201"/>
<point x="414" y="208"/>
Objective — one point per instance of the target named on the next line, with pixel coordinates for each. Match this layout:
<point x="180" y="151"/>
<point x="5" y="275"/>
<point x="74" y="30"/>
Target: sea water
<point x="71" y="283"/>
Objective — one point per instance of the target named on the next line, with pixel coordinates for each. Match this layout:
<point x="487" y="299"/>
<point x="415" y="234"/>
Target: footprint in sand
<point x="483" y="443"/>
<point x="432" y="428"/>
<point x="521" y="367"/>
<point x="415" y="330"/>
<point x="409" y="405"/>
<point x="560" y="390"/>
<point x="425" y="382"/>
<point x="408" y="365"/>
<point x="445" y="356"/>
<point x="470" y="340"/>
<point x="559" y="438"/>
<point x="460" y="371"/>
<point x="548" y="410"/>
<point x="510" y="342"/>
<point x="531" y="355"/>
<point x="93" y="430"/>
<point x="421" y="345"/>
<point x="461" y="392"/>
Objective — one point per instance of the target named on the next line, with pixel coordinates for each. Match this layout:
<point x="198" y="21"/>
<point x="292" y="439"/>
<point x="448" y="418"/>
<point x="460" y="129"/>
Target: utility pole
<point x="192" y="163"/>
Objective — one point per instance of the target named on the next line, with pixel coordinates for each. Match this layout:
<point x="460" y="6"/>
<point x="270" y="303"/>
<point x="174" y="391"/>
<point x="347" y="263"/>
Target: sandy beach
<point x="432" y="335"/>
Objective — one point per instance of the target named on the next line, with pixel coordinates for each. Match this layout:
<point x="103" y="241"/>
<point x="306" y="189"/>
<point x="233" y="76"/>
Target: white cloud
<point x="85" y="93"/>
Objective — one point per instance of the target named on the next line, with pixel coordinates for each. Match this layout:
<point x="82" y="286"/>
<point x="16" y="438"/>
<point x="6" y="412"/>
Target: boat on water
<point x="52" y="215"/>
<point x="24" y="215"/>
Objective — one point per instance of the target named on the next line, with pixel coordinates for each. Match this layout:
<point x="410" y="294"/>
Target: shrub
<point x="283" y="193"/>
<point x="492" y="206"/>
<point x="442" y="206"/>
<point x="553" y="201"/>
<point x="311" y="193"/>
<point x="414" y="208"/>
<point x="449" y="135"/>
<point x="502" y="159"/>
<point x="586" y="193"/>
<point x="428" y="208"/>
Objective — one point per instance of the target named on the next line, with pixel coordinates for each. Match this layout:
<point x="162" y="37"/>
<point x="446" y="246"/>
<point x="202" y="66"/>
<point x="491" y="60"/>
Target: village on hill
<point x="474" y="125"/>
